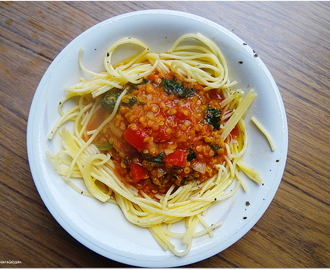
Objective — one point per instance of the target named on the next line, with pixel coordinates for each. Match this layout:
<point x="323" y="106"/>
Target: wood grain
<point x="292" y="38"/>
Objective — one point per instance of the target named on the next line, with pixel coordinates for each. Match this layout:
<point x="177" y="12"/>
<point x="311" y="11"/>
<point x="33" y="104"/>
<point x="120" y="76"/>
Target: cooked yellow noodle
<point x="238" y="113"/>
<point x="263" y="131"/>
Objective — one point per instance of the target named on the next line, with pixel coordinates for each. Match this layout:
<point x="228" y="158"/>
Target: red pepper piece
<point x="138" y="172"/>
<point x="176" y="159"/>
<point x="135" y="136"/>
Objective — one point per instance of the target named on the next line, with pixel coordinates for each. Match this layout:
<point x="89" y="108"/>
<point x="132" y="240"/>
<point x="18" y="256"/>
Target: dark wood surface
<point x="292" y="38"/>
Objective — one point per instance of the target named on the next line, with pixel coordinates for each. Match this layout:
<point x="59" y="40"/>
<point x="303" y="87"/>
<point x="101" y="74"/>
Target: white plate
<point x="102" y="227"/>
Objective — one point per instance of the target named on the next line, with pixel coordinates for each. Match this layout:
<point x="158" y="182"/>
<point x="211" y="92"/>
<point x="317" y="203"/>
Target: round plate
<point x="101" y="226"/>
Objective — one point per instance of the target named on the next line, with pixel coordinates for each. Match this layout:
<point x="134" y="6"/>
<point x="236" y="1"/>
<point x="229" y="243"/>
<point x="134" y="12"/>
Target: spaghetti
<point x="161" y="135"/>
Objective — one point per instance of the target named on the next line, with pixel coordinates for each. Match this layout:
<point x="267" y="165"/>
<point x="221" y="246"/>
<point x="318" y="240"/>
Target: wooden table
<point x="292" y="38"/>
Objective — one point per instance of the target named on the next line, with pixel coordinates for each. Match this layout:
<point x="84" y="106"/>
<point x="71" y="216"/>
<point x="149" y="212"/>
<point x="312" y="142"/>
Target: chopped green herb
<point x="187" y="179"/>
<point x="104" y="146"/>
<point x="172" y="87"/>
<point x="215" y="147"/>
<point x="212" y="117"/>
<point x="191" y="155"/>
<point x="110" y="98"/>
<point x="132" y="101"/>
<point x="183" y="181"/>
<point x="129" y="101"/>
<point x="157" y="159"/>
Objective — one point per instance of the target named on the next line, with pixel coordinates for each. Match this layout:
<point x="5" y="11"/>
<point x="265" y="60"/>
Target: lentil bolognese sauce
<point x="160" y="135"/>
<point x="158" y="139"/>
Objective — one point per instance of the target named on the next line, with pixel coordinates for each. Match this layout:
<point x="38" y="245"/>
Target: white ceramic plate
<point x="102" y="227"/>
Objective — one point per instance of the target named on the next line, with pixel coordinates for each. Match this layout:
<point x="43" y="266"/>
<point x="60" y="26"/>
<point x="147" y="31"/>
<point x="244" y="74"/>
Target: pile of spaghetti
<point x="161" y="135"/>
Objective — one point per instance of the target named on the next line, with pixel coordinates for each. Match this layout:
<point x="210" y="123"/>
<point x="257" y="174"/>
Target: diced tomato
<point x="176" y="159"/>
<point x="138" y="172"/>
<point x="135" y="136"/>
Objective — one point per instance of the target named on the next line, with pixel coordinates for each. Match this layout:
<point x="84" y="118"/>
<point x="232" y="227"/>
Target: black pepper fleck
<point x="277" y="160"/>
<point x="108" y="54"/>
<point x="240" y="62"/>
<point x="255" y="55"/>
<point x="244" y="43"/>
<point x="247" y="203"/>
<point x="244" y="217"/>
